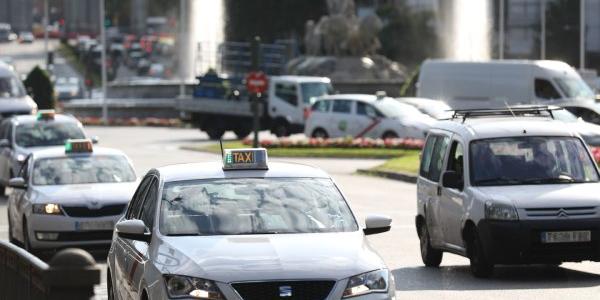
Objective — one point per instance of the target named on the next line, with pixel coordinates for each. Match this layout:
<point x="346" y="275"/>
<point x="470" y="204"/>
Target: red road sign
<point x="256" y="82"/>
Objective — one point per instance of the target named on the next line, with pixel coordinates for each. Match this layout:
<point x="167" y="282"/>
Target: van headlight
<point x="190" y="287"/>
<point x="366" y="283"/>
<point x="503" y="212"/>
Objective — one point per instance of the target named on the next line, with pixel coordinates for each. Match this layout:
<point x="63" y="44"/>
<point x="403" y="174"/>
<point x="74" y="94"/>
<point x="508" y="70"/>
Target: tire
<point x="281" y="129"/>
<point x="2" y="190"/>
<point x="11" y="239"/>
<point x="481" y="267"/>
<point x="319" y="133"/>
<point x="389" y="135"/>
<point x="215" y="133"/>
<point x="431" y="257"/>
<point x="26" y="239"/>
<point x="241" y="132"/>
<point x="109" y="286"/>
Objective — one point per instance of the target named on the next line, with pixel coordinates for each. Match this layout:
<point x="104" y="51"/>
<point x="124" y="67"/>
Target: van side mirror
<point x="17" y="183"/>
<point x="4" y="143"/>
<point x="133" y="230"/>
<point x="451" y="179"/>
<point x="377" y="224"/>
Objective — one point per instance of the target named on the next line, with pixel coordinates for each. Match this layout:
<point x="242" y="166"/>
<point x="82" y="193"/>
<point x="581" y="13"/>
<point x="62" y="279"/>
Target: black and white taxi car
<point x="69" y="196"/>
<point x="509" y="186"/>
<point x="24" y="134"/>
<point x="243" y="229"/>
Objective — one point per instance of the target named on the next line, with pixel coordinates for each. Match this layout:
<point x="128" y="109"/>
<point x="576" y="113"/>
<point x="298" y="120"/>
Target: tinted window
<point x="433" y="157"/>
<point x="287" y="92"/>
<point x="11" y="87"/>
<point x="545" y="90"/>
<point x="322" y="106"/>
<point x="149" y="207"/>
<point x="365" y="109"/>
<point x="342" y="106"/>
<point x="455" y="161"/>
<point x="47" y="133"/>
<point x="254" y="206"/>
<point x="133" y="210"/>
<point x="312" y="90"/>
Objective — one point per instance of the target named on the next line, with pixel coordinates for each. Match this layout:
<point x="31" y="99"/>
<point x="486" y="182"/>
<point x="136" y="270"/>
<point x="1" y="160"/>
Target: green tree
<point x="407" y="37"/>
<point x="562" y="27"/>
<point x="270" y="19"/>
<point x="40" y="87"/>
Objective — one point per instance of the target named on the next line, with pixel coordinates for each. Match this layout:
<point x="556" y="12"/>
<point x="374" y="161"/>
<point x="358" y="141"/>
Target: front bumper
<point x="519" y="242"/>
<point x="72" y="231"/>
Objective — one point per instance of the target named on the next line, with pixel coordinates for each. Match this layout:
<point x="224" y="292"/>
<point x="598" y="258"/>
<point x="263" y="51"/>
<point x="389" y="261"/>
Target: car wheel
<point x="241" y="132"/>
<point x="481" y="267"/>
<point x="389" y="135"/>
<point x="26" y="239"/>
<point x="2" y="190"/>
<point x="11" y="239"/>
<point x="320" y="133"/>
<point x="215" y="133"/>
<point x="281" y="129"/>
<point x="109" y="287"/>
<point x="431" y="257"/>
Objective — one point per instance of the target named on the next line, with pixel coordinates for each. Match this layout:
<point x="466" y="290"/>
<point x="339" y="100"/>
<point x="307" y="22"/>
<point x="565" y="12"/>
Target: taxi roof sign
<point x="79" y="146"/>
<point x="245" y="159"/>
<point x="46" y="114"/>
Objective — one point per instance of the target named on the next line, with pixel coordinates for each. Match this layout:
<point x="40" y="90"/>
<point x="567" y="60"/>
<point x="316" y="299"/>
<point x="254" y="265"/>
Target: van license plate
<point x="566" y="236"/>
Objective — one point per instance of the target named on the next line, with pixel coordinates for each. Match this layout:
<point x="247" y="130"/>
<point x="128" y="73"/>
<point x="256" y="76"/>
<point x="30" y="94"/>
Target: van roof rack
<point x="522" y="111"/>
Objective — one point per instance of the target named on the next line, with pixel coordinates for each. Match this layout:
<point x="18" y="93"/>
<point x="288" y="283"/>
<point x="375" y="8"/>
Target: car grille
<point x="84" y="211"/>
<point x="73" y="236"/>
<point x="557" y="212"/>
<point x="272" y="290"/>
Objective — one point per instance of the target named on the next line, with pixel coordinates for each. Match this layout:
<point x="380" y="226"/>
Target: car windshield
<point x="10" y="87"/>
<point x="254" y="206"/>
<point x="312" y="90"/>
<point x="574" y="87"/>
<point x="393" y="108"/>
<point x="41" y="134"/>
<point x="530" y="160"/>
<point x="82" y="169"/>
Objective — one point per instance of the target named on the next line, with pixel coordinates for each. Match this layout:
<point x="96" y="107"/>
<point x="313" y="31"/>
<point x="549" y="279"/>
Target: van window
<point x="545" y="90"/>
<point x="342" y="106"/>
<point x="287" y="92"/>
<point x="322" y="106"/>
<point x="433" y="157"/>
<point x="586" y="114"/>
<point x="455" y="161"/>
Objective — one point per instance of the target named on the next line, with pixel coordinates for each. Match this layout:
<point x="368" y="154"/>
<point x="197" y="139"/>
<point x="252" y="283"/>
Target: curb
<point x="406" y="177"/>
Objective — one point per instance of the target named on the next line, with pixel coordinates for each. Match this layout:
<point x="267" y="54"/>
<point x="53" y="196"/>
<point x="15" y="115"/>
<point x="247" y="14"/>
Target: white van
<point x="497" y="83"/>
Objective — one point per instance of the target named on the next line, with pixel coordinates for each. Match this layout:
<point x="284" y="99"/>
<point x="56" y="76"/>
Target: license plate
<point x="566" y="236"/>
<point x="93" y="225"/>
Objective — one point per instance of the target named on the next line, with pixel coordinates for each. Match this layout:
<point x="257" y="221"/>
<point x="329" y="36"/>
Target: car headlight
<point x="366" y="283"/>
<point x="495" y="211"/>
<point x="189" y="287"/>
<point x="21" y="158"/>
<point x="47" y="209"/>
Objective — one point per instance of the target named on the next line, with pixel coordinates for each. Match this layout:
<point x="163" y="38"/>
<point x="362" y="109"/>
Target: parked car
<point x="360" y="115"/>
<point x="68" y="88"/>
<point x="26" y="37"/>
<point x="436" y="109"/>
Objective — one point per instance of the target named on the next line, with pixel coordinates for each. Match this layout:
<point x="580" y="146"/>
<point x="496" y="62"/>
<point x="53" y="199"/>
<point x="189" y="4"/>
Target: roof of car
<point x="214" y="170"/>
<point x="5" y="70"/>
<point x="495" y="127"/>
<point x="33" y="118"/>
<point x="356" y="97"/>
<point x="59" y="151"/>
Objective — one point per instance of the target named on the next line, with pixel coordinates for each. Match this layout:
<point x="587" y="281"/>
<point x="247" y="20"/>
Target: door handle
<point x="439" y="190"/>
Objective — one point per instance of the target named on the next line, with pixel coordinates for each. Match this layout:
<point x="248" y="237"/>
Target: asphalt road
<point x="150" y="147"/>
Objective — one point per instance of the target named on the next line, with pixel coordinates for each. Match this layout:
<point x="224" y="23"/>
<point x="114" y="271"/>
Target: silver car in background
<point x="13" y="98"/>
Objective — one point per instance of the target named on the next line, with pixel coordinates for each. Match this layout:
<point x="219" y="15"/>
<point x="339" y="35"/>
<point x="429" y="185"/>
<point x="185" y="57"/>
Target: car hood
<point x="21" y="104"/>
<point x="268" y="257"/>
<point x="546" y="195"/>
<point x="78" y="194"/>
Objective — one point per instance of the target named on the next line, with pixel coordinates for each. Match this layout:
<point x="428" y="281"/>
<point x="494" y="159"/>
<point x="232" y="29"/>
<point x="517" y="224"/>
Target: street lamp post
<point x="45" y="24"/>
<point x="103" y="57"/>
<point x="182" y="48"/>
<point x="582" y="35"/>
<point x="501" y="31"/>
<point x="543" y="29"/>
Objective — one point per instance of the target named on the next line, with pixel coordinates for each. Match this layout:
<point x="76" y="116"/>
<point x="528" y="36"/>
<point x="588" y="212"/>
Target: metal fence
<point x="70" y="274"/>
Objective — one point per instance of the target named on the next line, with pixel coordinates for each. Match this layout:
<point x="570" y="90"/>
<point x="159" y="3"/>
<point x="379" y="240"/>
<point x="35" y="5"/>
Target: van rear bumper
<point x="520" y="242"/>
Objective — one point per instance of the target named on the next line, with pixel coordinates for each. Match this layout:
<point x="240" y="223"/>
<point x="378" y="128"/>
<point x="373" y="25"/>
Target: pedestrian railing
<point x="70" y="274"/>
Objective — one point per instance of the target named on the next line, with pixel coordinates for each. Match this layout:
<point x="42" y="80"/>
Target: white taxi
<point x="507" y="186"/>
<point x="69" y="196"/>
<point x="243" y="229"/>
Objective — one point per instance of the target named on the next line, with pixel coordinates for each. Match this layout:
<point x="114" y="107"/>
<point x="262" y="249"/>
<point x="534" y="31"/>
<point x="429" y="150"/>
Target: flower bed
<point x="158" y="122"/>
<point x="340" y="143"/>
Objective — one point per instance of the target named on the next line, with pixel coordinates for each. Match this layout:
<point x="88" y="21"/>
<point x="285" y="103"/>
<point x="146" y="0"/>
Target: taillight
<point x="307" y="112"/>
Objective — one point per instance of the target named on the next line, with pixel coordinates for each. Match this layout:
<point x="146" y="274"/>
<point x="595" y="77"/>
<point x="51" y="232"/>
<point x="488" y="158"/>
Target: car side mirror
<point x="17" y="183"/>
<point x="4" y="143"/>
<point x="133" y="230"/>
<point x="95" y="139"/>
<point x="377" y="224"/>
<point x="451" y="179"/>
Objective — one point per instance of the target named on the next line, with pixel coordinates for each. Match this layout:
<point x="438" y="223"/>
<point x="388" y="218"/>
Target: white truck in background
<point x="283" y="112"/>
<point x="498" y="83"/>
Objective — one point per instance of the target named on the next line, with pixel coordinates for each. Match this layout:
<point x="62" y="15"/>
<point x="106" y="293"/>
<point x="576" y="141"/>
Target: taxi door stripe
<point x="368" y="128"/>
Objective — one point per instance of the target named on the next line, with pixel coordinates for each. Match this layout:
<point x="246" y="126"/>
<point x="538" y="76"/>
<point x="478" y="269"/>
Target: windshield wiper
<point x="560" y="179"/>
<point x="497" y="180"/>
<point x="260" y="232"/>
